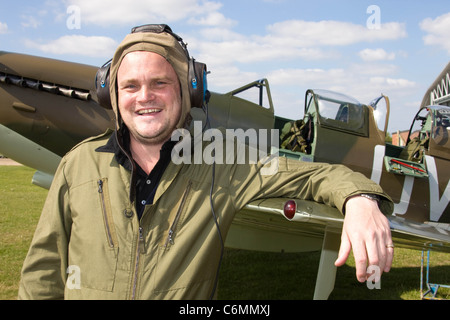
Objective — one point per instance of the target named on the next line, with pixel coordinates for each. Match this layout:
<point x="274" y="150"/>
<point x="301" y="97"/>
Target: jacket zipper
<point x="105" y="215"/>
<point x="141" y="243"/>
<point x="140" y="249"/>
<point x="177" y="217"/>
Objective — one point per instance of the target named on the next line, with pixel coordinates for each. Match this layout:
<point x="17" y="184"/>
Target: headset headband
<point x="160" y="28"/>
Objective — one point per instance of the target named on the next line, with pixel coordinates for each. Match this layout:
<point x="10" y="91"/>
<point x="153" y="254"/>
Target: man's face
<point x="149" y="97"/>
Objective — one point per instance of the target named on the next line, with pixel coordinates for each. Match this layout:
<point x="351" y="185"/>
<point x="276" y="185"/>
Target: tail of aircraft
<point x="439" y="91"/>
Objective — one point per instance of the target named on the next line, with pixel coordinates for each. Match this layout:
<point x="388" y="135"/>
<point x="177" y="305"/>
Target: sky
<point x="357" y="47"/>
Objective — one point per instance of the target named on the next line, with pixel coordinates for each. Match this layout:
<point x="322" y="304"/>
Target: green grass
<point x="243" y="275"/>
<point x="288" y="276"/>
<point x="20" y="206"/>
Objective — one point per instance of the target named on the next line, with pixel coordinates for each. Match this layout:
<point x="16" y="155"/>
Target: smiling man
<point x="149" y="103"/>
<point x="126" y="222"/>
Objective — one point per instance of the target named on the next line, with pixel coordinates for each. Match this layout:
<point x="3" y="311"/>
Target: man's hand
<point x="366" y="231"/>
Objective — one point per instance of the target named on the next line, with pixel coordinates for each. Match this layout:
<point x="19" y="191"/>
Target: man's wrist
<point x="370" y="196"/>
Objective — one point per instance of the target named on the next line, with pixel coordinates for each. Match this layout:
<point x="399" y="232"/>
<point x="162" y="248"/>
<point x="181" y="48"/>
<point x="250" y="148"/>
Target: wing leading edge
<point x="312" y="220"/>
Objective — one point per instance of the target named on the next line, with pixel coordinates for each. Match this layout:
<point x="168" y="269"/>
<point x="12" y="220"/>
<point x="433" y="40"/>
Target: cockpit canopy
<point x="338" y="111"/>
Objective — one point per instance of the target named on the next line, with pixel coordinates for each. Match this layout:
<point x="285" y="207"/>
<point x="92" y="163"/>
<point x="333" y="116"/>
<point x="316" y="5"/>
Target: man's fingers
<point x="344" y="251"/>
<point x="389" y="250"/>
<point x="360" y="255"/>
<point x="377" y="255"/>
<point x="367" y="233"/>
<point x="390" y="258"/>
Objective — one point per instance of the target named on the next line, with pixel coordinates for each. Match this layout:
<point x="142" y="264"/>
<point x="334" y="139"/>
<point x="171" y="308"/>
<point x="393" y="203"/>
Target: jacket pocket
<point x="105" y="205"/>
<point x="93" y="246"/>
<point x="186" y="256"/>
<point x="181" y="208"/>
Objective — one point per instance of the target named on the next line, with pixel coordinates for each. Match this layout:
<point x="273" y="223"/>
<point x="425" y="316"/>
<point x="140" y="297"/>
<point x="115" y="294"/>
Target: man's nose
<point x="145" y="94"/>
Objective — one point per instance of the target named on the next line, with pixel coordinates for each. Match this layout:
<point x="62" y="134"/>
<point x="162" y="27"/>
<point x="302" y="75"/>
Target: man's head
<point x="172" y="57"/>
<point x="149" y="96"/>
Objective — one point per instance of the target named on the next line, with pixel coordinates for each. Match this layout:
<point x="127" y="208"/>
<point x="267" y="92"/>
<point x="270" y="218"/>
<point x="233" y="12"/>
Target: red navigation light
<point x="289" y="209"/>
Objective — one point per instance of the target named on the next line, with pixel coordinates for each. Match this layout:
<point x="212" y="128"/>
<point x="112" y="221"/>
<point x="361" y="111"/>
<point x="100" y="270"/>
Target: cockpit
<point x="428" y="134"/>
<point x="338" y="111"/>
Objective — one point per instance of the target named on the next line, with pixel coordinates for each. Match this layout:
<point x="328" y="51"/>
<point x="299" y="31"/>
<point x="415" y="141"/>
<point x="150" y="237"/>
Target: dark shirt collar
<point x="112" y="146"/>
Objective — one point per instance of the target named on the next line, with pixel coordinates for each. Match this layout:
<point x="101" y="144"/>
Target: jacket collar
<point x="122" y="156"/>
<point x="112" y="146"/>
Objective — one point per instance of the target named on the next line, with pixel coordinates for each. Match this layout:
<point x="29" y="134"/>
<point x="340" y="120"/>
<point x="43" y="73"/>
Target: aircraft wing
<point x="422" y="236"/>
<point x="267" y="228"/>
<point x="262" y="225"/>
<point x="312" y="220"/>
<point x="31" y="154"/>
<point x="46" y="107"/>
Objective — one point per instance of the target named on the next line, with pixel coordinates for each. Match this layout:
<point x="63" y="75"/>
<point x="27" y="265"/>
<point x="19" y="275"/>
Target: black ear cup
<point x="102" y="86"/>
<point x="198" y="89"/>
<point x="198" y="86"/>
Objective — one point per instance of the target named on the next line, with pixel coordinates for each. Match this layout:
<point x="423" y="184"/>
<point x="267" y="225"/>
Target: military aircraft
<point x="47" y="106"/>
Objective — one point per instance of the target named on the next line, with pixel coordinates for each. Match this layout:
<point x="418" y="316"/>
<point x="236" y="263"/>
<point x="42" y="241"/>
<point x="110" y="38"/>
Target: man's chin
<point x="154" y="138"/>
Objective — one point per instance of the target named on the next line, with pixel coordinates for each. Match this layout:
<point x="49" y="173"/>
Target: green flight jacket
<point x="90" y="244"/>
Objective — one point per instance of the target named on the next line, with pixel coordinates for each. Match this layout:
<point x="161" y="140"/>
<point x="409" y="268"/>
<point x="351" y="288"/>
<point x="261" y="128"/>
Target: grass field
<point x="244" y="274"/>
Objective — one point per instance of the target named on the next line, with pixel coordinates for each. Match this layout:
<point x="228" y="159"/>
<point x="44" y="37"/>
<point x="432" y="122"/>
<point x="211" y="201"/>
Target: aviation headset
<point x="198" y="89"/>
